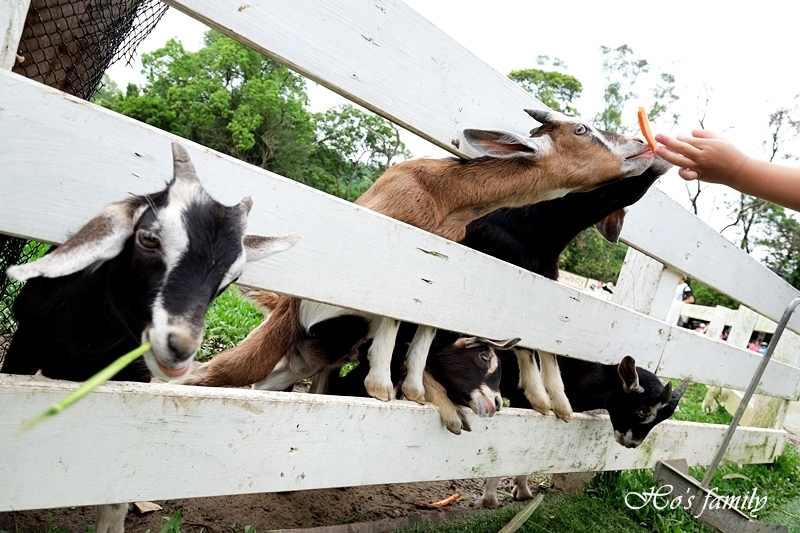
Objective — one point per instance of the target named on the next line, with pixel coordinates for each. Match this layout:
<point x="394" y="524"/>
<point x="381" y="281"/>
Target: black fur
<point x="74" y="326"/>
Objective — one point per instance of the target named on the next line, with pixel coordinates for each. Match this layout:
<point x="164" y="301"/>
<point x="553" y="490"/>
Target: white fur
<point x="416" y="357"/>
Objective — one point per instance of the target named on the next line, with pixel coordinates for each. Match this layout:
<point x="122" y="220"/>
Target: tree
<point x="238" y="102"/>
<point x="622" y="72"/>
<point x="782" y="242"/>
<point x="369" y="144"/>
<point x="751" y="214"/>
<point x="553" y="88"/>
<point x="590" y="255"/>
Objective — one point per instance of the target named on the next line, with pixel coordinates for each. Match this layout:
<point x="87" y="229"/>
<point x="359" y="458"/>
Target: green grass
<point x="229" y="320"/>
<point x="602" y="506"/>
<point x="558" y="513"/>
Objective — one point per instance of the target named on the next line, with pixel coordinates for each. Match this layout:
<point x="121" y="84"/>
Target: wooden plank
<point x="662" y="228"/>
<point x="388" y="58"/>
<point x="381" y="54"/>
<point x="160" y="441"/>
<point x="12" y="20"/>
<point x="645" y="285"/>
<point x="367" y="261"/>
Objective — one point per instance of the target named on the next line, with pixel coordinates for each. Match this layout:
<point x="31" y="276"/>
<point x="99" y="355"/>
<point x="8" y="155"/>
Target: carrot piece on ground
<point x="645" y="126"/>
<point x="439" y="504"/>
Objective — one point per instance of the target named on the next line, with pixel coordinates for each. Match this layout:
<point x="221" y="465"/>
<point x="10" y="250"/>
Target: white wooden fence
<point x="63" y="159"/>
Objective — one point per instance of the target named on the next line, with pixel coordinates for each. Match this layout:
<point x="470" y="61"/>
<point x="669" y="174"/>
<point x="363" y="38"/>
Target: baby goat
<point x="634" y="397"/>
<point x="461" y="371"/>
<point x="563" y="155"/>
<point x="145" y="269"/>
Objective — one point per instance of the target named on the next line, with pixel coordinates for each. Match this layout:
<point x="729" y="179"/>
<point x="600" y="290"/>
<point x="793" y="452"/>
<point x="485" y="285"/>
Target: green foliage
<point x="366" y="145"/>
<point x="553" y="88"/>
<point x="705" y="295"/>
<point x="623" y="72"/>
<point x="782" y="242"/>
<point x="229" y="320"/>
<point x="590" y="255"/>
<point x="238" y="102"/>
<point x="691" y="406"/>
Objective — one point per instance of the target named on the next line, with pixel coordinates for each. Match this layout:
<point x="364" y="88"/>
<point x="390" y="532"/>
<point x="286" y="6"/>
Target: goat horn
<point x="680" y="390"/>
<point x="540" y="115"/>
<point x="183" y="169"/>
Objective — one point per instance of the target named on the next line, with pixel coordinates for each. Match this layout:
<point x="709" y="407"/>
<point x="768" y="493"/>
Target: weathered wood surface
<point x="162" y="441"/>
<point x="387" y="57"/>
<point x="11" y="25"/>
<point x="64" y="158"/>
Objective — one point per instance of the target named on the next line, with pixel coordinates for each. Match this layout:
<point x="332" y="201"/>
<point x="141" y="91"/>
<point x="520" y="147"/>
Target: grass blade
<point x="521" y="517"/>
<point x="88" y="386"/>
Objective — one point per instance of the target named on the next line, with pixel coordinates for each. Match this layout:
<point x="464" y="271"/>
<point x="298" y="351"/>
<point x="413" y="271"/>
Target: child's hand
<point x="703" y="155"/>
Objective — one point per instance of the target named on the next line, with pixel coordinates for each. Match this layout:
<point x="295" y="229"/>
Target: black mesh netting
<point x="68" y="45"/>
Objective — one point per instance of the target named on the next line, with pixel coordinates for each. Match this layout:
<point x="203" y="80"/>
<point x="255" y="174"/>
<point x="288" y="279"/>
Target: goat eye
<point x="485" y="357"/>
<point x="640" y="414"/>
<point x="581" y="129"/>
<point x="149" y="240"/>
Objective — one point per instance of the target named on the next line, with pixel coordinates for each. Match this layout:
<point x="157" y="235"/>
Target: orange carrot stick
<point x="645" y="126"/>
<point x="438" y="505"/>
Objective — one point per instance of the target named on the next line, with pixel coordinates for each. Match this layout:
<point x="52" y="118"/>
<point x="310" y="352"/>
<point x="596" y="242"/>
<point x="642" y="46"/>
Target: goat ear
<point x="666" y="394"/>
<point x="473" y="342"/>
<point x="100" y="239"/>
<point x="257" y="247"/>
<point x="611" y="226"/>
<point x="629" y="375"/>
<point x="506" y="145"/>
<point x="246" y="205"/>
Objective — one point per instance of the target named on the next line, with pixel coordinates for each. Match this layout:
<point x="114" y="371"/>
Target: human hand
<point x="702" y="155"/>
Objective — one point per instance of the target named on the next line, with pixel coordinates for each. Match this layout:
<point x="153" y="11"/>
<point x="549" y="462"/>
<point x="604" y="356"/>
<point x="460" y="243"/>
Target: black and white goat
<point x="634" y="398"/>
<point x="145" y="269"/>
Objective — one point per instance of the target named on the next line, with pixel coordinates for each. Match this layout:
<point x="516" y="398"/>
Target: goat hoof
<point x="489" y="503"/>
<point x="415" y="394"/>
<point x="521" y="493"/>
<point x="379" y="390"/>
<point x="566" y="417"/>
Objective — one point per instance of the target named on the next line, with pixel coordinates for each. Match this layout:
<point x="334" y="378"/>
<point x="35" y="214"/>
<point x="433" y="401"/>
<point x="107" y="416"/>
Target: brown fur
<point x="442" y="197"/>
<point x="255" y="357"/>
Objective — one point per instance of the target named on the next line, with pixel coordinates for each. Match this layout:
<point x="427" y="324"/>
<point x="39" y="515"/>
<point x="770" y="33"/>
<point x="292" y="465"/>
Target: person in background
<point x="706" y="156"/>
<point x="683" y="293"/>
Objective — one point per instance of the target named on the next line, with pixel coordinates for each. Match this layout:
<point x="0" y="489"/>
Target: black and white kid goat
<point x="145" y="269"/>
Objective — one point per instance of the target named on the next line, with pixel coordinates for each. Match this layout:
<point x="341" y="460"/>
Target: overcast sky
<point x="742" y="56"/>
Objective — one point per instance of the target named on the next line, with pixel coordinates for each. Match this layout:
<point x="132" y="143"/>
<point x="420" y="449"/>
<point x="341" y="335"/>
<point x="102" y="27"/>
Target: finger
<point x="688" y="174"/>
<point x="678" y="145"/>
<point x="669" y="156"/>
<point x="705" y="134"/>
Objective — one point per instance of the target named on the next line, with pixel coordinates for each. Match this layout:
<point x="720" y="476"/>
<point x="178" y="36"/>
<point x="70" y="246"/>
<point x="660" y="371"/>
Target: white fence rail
<point x="63" y="158"/>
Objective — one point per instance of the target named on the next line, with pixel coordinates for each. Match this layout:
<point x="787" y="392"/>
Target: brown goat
<point x="563" y="155"/>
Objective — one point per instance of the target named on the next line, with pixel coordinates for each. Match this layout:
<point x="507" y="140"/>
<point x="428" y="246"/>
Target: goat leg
<point x="413" y="388"/>
<point x="521" y="491"/>
<point x="379" y="380"/>
<point x="489" y="498"/>
<point x="554" y="386"/>
<point x="111" y="518"/>
<point x="530" y="381"/>
<point x="454" y="418"/>
<point x="256" y="356"/>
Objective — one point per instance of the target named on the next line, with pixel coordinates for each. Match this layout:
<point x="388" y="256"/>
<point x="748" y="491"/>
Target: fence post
<point x="645" y="285"/>
<point x="12" y="24"/>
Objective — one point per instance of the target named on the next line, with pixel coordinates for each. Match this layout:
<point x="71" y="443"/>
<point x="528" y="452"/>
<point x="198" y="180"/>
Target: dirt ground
<point x="285" y="510"/>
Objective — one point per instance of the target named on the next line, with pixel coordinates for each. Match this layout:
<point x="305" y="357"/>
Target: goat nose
<point x="498" y="402"/>
<point x="182" y="346"/>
